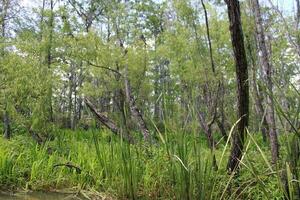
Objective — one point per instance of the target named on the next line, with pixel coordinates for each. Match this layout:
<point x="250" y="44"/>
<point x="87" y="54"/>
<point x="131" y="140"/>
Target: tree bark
<point x="221" y="120"/>
<point x="207" y="130"/>
<point x="241" y="66"/>
<point x="106" y="121"/>
<point x="102" y="118"/>
<point x="134" y="109"/>
<point x="258" y="98"/>
<point x="48" y="59"/>
<point x="297" y="22"/>
<point x="6" y="120"/>
<point x="264" y="58"/>
<point x="7" y="129"/>
<point x="70" y="98"/>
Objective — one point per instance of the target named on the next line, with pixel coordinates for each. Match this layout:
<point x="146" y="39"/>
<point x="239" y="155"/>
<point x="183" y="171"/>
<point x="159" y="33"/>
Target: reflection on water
<point x="38" y="196"/>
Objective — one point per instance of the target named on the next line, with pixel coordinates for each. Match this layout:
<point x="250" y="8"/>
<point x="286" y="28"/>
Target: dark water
<point x="38" y="196"/>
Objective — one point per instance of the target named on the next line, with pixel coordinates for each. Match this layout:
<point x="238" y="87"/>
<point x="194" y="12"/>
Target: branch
<point x="69" y="165"/>
<point x="287" y="28"/>
<point x="79" y="12"/>
<point x="103" y="67"/>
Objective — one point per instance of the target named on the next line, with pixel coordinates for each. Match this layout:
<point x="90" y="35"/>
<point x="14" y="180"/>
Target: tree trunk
<point x="6" y="121"/>
<point x="258" y="98"/>
<point x="221" y="121"/>
<point x="70" y="98"/>
<point x="207" y="130"/>
<point x="49" y="60"/>
<point x="237" y="39"/>
<point x="208" y="37"/>
<point x="298" y="21"/>
<point x="157" y="88"/>
<point x="157" y="94"/>
<point x="134" y="109"/>
<point x="264" y="58"/>
<point x="106" y="121"/>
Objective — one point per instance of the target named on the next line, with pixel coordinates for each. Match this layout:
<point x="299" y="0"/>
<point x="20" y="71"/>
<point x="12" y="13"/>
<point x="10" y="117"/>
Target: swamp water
<point x="39" y="196"/>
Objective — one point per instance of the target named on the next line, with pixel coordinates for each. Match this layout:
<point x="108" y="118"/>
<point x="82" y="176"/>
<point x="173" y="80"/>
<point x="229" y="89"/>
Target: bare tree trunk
<point x="237" y="39"/>
<point x="258" y="98"/>
<point x="264" y="58"/>
<point x="259" y="108"/>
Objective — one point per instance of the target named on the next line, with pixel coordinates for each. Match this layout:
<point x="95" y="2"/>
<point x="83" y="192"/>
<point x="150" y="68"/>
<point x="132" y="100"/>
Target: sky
<point x="286" y="5"/>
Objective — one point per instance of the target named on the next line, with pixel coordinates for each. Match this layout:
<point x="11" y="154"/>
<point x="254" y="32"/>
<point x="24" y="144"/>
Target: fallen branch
<point x="69" y="165"/>
<point x="105" y="120"/>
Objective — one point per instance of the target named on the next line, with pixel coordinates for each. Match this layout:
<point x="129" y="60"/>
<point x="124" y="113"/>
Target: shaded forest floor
<point x="178" y="166"/>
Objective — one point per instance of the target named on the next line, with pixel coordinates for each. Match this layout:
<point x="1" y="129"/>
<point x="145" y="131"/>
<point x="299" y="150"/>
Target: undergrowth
<point x="178" y="166"/>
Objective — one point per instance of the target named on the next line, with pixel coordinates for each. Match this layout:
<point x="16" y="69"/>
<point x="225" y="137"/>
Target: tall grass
<point x="179" y="166"/>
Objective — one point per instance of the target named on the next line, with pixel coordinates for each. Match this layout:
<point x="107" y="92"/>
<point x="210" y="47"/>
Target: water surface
<point x="38" y="196"/>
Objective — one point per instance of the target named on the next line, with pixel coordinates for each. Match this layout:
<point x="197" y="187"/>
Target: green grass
<point x="177" y="167"/>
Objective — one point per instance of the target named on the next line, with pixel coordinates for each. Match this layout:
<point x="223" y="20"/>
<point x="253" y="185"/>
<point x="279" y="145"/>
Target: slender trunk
<point x="7" y="130"/>
<point x="74" y="118"/>
<point x="49" y="60"/>
<point x="264" y="58"/>
<point x="208" y="37"/>
<point x="157" y="96"/>
<point x="42" y="21"/>
<point x="221" y="125"/>
<point x="70" y="98"/>
<point x="221" y="122"/>
<point x="237" y="39"/>
<point x="207" y="130"/>
<point x="258" y="98"/>
<point x="206" y="91"/>
<point x="134" y="109"/>
<point x="259" y="107"/>
<point x="6" y="120"/>
<point x="298" y="21"/>
<point x="78" y="98"/>
<point x="157" y="92"/>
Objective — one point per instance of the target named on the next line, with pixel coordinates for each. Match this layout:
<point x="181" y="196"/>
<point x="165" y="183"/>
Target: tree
<point x="268" y="71"/>
<point x="241" y="66"/>
<point x="8" y="10"/>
